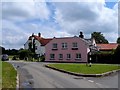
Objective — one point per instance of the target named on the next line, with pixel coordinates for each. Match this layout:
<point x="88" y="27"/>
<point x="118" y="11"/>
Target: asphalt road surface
<point x="35" y="75"/>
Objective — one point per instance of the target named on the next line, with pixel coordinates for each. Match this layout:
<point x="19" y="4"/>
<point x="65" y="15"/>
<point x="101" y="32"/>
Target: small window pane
<point x="78" y="56"/>
<point x="75" y="44"/>
<point x="68" y="56"/>
<point x="64" y="45"/>
<point x="52" y="56"/>
<point x="54" y="45"/>
<point x="60" y="56"/>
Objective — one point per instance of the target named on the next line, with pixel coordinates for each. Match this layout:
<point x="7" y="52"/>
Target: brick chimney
<point x="32" y="34"/>
<point x="81" y="35"/>
<point x="39" y="34"/>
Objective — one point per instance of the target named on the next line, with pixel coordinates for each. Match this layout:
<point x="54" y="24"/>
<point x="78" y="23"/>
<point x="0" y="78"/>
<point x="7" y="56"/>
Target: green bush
<point x="103" y="57"/>
<point x="117" y="55"/>
<point x="42" y="58"/>
<point x="14" y="58"/>
<point x="23" y="54"/>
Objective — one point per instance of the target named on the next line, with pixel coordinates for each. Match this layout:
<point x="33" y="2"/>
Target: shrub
<point x="103" y="57"/>
<point x="23" y="54"/>
<point x="117" y="55"/>
<point x="42" y="58"/>
<point x="14" y="58"/>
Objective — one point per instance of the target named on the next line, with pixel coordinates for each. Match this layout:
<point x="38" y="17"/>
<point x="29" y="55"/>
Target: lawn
<point x="82" y="68"/>
<point x="8" y="76"/>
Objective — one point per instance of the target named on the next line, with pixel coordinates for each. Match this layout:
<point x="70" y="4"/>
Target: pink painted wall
<point x="82" y="48"/>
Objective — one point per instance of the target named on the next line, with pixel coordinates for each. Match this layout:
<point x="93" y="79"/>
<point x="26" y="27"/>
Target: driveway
<point x="35" y="75"/>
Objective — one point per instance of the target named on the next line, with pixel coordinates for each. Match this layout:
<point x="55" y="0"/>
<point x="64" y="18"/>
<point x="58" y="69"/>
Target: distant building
<point x="65" y="49"/>
<point x="69" y="49"/>
<point x="107" y="47"/>
<point x="37" y="44"/>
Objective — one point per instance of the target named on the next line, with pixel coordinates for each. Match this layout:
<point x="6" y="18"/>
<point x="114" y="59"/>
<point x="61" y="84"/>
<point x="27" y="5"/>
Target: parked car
<point x="5" y="57"/>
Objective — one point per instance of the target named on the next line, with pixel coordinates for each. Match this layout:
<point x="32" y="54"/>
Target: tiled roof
<point x="107" y="46"/>
<point x="43" y="41"/>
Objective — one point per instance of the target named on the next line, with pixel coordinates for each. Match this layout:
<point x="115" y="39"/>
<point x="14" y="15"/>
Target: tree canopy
<point x="2" y="50"/>
<point x="24" y="53"/>
<point x="99" y="38"/>
<point x="118" y="40"/>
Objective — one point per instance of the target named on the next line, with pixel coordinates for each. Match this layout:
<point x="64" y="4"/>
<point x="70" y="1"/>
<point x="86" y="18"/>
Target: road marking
<point x="90" y="81"/>
<point x="98" y="84"/>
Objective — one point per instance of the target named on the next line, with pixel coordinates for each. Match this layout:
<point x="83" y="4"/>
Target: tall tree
<point x="118" y="40"/>
<point x="99" y="38"/>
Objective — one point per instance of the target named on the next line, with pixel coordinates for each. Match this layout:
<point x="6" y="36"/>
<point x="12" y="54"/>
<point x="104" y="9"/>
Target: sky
<point x="20" y="18"/>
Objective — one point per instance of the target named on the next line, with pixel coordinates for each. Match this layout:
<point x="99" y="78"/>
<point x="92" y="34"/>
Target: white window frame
<point x="75" y="45"/>
<point x="60" y="56"/>
<point x="54" y="45"/>
<point x="52" y="57"/>
<point x="36" y="47"/>
<point x="78" y="56"/>
<point x="68" y="56"/>
<point x="64" y="45"/>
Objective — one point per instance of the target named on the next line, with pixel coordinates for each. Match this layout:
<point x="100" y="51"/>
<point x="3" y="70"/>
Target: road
<point x="35" y="75"/>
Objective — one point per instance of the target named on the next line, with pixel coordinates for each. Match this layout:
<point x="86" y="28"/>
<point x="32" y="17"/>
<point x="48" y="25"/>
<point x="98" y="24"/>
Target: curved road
<point x="35" y="75"/>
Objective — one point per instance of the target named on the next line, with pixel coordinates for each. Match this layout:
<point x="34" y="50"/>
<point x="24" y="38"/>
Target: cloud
<point x="56" y="19"/>
<point x="12" y="35"/>
<point x="14" y="13"/>
<point x="86" y="17"/>
<point x="19" y="11"/>
<point x="74" y="11"/>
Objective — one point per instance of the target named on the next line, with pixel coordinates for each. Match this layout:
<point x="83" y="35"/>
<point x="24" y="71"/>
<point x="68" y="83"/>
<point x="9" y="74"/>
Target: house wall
<point x="82" y="48"/>
<point x="39" y="49"/>
<point x="93" y="42"/>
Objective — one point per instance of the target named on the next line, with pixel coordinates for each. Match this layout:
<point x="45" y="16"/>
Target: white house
<point x="37" y="44"/>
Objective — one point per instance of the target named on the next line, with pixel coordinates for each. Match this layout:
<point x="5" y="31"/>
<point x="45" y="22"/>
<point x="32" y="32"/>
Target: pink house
<point x="67" y="49"/>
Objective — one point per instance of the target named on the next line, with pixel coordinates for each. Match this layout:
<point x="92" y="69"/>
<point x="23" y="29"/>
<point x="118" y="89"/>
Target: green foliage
<point x="118" y="40"/>
<point x="104" y="57"/>
<point x="99" y="38"/>
<point x="117" y="54"/>
<point x="2" y="49"/>
<point x="23" y="54"/>
<point x="15" y="57"/>
<point x="105" y="52"/>
<point x="42" y="58"/>
<point x="11" y="51"/>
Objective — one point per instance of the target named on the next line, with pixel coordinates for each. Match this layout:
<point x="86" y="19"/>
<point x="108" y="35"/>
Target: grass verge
<point x="8" y="75"/>
<point x="82" y="68"/>
<point x="0" y="74"/>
